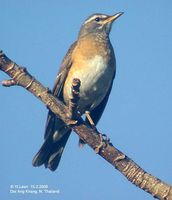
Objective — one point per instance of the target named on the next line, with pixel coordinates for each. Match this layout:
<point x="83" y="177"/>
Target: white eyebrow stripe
<point x="94" y="17"/>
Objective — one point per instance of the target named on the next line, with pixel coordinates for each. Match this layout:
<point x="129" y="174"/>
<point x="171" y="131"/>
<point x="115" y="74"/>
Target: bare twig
<point x="124" y="164"/>
<point x="73" y="103"/>
<point x="8" y="83"/>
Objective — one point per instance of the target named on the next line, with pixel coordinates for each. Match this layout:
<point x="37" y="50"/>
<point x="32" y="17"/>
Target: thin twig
<point x="73" y="102"/>
<point x="8" y="83"/>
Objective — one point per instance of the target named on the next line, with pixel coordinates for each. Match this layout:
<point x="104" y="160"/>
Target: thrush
<point x="92" y="60"/>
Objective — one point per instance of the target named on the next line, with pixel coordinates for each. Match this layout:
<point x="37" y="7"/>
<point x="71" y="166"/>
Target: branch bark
<point x="134" y="173"/>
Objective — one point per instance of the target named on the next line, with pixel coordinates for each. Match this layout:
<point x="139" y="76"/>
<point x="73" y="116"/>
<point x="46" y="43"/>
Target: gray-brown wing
<point x="63" y="71"/>
<point x="57" y="89"/>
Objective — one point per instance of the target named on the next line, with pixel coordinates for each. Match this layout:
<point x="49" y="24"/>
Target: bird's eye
<point x="97" y="19"/>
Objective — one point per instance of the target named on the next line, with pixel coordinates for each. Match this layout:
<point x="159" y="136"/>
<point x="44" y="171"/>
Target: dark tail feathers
<point x="50" y="153"/>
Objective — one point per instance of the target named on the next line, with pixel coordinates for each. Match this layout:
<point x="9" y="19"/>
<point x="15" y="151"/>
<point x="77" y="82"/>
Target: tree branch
<point x="121" y="162"/>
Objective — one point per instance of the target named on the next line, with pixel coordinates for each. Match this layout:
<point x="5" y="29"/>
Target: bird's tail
<point x="51" y="151"/>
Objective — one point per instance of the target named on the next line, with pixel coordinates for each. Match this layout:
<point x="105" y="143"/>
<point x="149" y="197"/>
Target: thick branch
<point x="124" y="164"/>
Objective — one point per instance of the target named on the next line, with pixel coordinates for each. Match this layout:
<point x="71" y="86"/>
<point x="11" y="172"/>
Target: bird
<point x="90" y="59"/>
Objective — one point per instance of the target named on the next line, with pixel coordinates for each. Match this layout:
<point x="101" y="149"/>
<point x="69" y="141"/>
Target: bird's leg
<point x="104" y="140"/>
<point x="92" y="124"/>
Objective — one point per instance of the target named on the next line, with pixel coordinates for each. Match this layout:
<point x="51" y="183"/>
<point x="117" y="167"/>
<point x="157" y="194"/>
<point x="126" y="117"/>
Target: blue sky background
<point x="138" y="117"/>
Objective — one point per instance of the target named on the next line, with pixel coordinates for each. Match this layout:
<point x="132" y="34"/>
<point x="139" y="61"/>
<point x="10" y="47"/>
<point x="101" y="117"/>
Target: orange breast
<point x="91" y="65"/>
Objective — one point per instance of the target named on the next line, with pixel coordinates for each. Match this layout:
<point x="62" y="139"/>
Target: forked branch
<point x="121" y="162"/>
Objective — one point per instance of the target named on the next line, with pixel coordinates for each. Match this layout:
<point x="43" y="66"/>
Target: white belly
<point x="95" y="82"/>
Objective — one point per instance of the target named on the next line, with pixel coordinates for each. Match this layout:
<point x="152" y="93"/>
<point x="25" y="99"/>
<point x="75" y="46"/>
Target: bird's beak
<point x="112" y="18"/>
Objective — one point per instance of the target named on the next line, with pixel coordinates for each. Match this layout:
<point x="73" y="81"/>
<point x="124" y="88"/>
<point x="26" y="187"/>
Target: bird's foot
<point x="104" y="141"/>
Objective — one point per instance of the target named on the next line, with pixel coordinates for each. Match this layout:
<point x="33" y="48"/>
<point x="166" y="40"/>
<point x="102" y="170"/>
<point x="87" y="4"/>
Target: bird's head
<point x="98" y="23"/>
